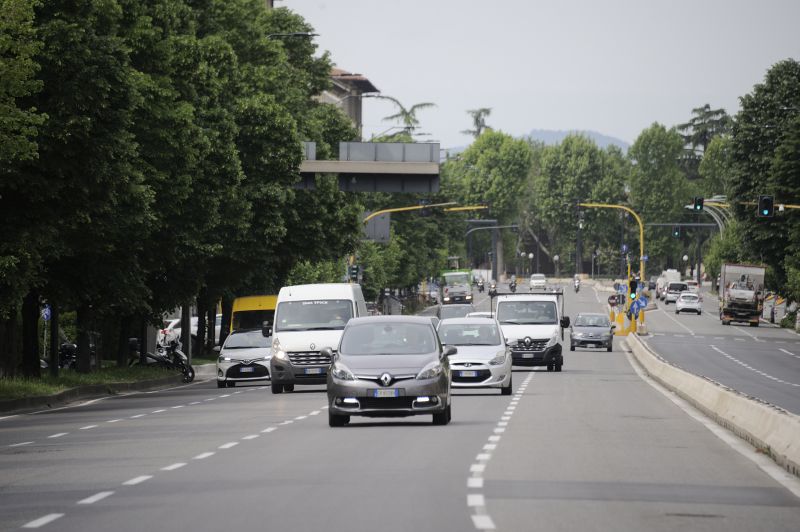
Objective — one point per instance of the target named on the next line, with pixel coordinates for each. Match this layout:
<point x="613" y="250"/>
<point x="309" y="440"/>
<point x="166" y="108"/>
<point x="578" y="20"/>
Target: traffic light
<point x="676" y="231"/>
<point x="352" y="272"/>
<point x="766" y="206"/>
<point x="698" y="204"/>
<point x="633" y="285"/>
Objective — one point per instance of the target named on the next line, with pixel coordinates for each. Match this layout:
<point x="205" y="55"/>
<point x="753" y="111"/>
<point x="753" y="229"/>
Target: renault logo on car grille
<point x="386" y="379"/>
<point x="312" y="346"/>
<point x="528" y="341"/>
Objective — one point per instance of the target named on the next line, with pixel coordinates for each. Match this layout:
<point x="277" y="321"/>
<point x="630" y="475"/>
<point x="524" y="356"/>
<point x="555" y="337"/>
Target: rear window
<point x="688" y="297"/>
<point x="677" y="287"/>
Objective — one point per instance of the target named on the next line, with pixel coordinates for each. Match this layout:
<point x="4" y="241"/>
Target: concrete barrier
<point x="770" y="429"/>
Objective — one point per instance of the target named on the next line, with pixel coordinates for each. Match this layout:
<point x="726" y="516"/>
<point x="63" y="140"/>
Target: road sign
<point x="46" y="313"/>
<point x="612" y="300"/>
<point x="644" y="258"/>
<point x="624" y="248"/>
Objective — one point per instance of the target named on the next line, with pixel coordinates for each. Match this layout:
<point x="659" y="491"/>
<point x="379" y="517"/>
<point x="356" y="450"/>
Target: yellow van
<point x="249" y="312"/>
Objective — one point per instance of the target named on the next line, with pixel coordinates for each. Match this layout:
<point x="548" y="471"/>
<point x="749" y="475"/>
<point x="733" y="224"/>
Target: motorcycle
<point x="577" y="286"/>
<point x="512" y="286"/>
<point x="480" y="286"/>
<point x="492" y="290"/>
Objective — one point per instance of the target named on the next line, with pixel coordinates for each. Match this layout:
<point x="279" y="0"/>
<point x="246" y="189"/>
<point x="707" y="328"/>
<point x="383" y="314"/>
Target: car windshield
<point x="469" y="334"/>
<point x="588" y="320"/>
<point x="316" y="314"/>
<point x="388" y="339"/>
<point x="537" y="277"/>
<point x="455" y="311"/>
<point x="520" y="312"/>
<point x="246" y="340"/>
<point x="454" y="279"/>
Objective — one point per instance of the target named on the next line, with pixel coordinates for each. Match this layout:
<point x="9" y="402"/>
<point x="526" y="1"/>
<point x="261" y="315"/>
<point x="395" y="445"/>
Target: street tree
<point x="406" y="116"/>
<point x="478" y="121"/>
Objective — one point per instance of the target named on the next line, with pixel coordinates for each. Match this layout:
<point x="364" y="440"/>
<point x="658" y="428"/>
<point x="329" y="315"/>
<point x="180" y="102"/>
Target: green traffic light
<point x="633" y="295"/>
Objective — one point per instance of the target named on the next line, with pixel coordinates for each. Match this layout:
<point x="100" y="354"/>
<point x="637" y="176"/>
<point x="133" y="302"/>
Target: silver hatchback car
<point x="483" y="359"/>
<point x="389" y="366"/>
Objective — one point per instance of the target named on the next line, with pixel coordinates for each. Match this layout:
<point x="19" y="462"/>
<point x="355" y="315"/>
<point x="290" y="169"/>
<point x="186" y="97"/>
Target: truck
<point x="742" y="293"/>
<point x="455" y="286"/>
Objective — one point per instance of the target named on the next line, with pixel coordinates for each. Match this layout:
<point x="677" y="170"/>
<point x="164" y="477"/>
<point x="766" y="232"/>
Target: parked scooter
<point x="169" y="357"/>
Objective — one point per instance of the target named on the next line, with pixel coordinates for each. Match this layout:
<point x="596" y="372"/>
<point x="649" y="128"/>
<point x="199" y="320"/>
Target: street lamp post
<point x="555" y="260"/>
<point x="530" y="263"/>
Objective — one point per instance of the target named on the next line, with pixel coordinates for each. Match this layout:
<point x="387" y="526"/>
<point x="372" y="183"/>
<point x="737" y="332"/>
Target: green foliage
<point x="406" y="116"/>
<point x="724" y="247"/>
<point x="716" y="167"/>
<point x="308" y="272"/>
<point x="478" y="121"/>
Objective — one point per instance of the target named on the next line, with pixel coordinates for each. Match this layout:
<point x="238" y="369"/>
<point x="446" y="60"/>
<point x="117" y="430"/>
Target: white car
<point x="674" y="290"/>
<point x="483" y="359"/>
<point x="688" y="301"/>
<point x="172" y="330"/>
<point x="693" y="286"/>
<point x="538" y="281"/>
<point x="244" y="357"/>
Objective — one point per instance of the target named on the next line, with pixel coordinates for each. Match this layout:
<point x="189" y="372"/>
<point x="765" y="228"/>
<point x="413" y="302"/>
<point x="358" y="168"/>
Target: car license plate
<point x="247" y="369"/>
<point x="467" y="373"/>
<point x="527" y="355"/>
<point x="391" y="392"/>
<point x="313" y="371"/>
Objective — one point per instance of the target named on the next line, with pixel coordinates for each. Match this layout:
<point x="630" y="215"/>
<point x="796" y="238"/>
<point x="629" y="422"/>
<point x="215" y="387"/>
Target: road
<point x="762" y="362"/>
<point x="592" y="448"/>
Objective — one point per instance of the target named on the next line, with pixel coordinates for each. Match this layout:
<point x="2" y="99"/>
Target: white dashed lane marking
<point x="174" y="466"/>
<point x="203" y="456"/>
<point x="21" y="444"/>
<point x="229" y="445"/>
<point x="58" y="435"/>
<point x="137" y="480"/>
<point x="96" y="497"/>
<point x="49" y="518"/>
<point x="87" y="427"/>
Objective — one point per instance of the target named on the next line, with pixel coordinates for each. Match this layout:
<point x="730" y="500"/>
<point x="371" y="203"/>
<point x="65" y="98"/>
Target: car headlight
<point x="498" y="360"/>
<point x="341" y="372"/>
<point x="223" y="358"/>
<point x="277" y="352"/>
<point x="577" y="335"/>
<point x="431" y="371"/>
<point x="446" y="298"/>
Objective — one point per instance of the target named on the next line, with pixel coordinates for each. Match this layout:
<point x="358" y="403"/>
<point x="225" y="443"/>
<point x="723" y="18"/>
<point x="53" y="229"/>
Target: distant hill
<point x="551" y="137"/>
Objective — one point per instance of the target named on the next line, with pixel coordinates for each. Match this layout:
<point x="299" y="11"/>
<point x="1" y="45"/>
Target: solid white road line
<point x="87" y="427"/>
<point x="202" y="456"/>
<point x="49" y="518"/>
<point x="788" y="352"/>
<point x="21" y="444"/>
<point x="96" y="497"/>
<point x="174" y="466"/>
<point x="58" y="435"/>
<point x="137" y="480"/>
<point x="228" y="445"/>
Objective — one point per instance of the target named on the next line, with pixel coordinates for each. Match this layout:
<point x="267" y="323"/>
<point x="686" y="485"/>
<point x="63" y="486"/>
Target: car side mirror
<point x="450" y="351"/>
<point x="327" y="351"/>
<point x="565" y="322"/>
<point x="266" y="329"/>
<point x="613" y="326"/>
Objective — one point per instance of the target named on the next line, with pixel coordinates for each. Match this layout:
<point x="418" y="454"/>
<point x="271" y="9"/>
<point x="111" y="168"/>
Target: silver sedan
<point x="389" y="366"/>
<point x="483" y="359"/>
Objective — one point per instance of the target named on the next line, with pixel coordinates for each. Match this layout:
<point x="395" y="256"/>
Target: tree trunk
<point x="54" y="343"/>
<point x="186" y="329"/>
<point x="10" y="343"/>
<point x="30" y="335"/>
<point x="202" y="305"/>
<point x="83" y="364"/>
<point x="212" y="328"/>
<point x="227" y="316"/>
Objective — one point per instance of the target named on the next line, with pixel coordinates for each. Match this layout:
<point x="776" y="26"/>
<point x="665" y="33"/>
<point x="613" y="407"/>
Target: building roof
<point x="359" y="81"/>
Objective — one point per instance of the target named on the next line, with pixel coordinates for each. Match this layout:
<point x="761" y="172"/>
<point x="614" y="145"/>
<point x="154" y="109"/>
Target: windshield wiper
<point x="326" y="328"/>
<point x="512" y="322"/>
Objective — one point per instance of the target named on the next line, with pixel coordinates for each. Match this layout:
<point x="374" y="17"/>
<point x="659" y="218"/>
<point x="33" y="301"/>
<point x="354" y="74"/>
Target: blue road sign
<point x="46" y="313"/>
<point x="645" y="258"/>
<point x="624" y="248"/>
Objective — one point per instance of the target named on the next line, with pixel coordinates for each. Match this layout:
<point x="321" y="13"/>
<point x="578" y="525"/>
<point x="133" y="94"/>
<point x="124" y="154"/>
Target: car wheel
<point x="276" y="387"/>
<point x="442" y="418"/>
<point x="698" y="312"/>
<point x="754" y="324"/>
<point x="549" y="367"/>
<point x="337" y="421"/>
<point x="288" y="387"/>
<point x="506" y="390"/>
<point x="220" y="384"/>
<point x="677" y="311"/>
<point x="572" y="348"/>
<point x="558" y="367"/>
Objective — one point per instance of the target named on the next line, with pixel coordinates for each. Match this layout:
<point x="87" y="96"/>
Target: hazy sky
<point x="612" y="66"/>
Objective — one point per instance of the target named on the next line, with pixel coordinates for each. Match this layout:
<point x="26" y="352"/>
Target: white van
<point x="309" y="318"/>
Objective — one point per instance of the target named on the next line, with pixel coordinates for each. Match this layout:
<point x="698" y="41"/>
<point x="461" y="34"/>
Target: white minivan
<point x="309" y="318"/>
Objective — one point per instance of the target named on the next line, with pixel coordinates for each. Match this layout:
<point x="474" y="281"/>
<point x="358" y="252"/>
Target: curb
<point x="770" y="429"/>
<point x="9" y="406"/>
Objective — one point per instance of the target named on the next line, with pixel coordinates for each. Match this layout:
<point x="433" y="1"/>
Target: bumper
<point x="591" y="342"/>
<point x="356" y="398"/>
<point x="551" y="355"/>
<point x="457" y="299"/>
<point x="284" y="372"/>
<point x="687" y="308"/>
<point x="237" y="372"/>
<point x="480" y="375"/>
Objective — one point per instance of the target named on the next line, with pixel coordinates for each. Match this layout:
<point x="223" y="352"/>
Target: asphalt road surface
<point x="762" y="362"/>
<point x="592" y="448"/>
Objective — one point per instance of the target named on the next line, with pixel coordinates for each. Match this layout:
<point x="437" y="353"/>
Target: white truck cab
<point x="309" y="318"/>
<point x="533" y="325"/>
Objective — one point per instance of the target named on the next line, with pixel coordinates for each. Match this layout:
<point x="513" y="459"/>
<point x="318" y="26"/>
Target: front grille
<point x="481" y="376"/>
<point x="386" y="403"/>
<point x="535" y="345"/>
<point x="313" y="358"/>
<point x="234" y="372"/>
